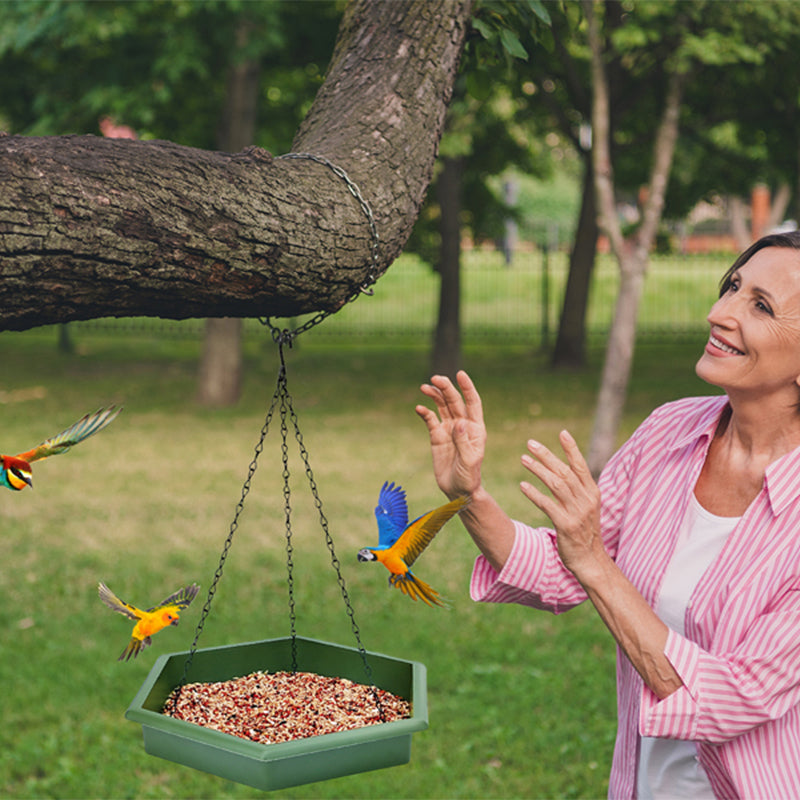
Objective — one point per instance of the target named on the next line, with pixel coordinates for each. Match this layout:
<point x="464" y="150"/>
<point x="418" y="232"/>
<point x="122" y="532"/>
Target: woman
<point x="689" y="548"/>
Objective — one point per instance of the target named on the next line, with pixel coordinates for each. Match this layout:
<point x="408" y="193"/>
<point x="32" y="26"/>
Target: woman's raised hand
<point x="573" y="504"/>
<point x="458" y="433"/>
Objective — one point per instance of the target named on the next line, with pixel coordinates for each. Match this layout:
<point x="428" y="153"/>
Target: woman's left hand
<point x="574" y="507"/>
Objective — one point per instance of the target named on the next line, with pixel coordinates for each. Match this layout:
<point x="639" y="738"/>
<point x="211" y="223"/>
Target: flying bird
<point x="400" y="544"/>
<point x="151" y="621"/>
<point x="16" y="470"/>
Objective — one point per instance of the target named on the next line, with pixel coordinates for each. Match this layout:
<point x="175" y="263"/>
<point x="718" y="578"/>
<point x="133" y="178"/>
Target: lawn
<point x="521" y="703"/>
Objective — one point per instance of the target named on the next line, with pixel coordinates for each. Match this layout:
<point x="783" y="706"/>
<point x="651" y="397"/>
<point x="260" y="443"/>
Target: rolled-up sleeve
<point x="533" y="575"/>
<point x="729" y="694"/>
<point x="676" y="715"/>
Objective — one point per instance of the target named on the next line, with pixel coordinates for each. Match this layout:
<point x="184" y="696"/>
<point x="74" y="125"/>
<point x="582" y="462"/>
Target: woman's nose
<point x="723" y="312"/>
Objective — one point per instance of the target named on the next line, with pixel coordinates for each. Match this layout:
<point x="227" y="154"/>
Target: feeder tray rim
<point x="259" y="750"/>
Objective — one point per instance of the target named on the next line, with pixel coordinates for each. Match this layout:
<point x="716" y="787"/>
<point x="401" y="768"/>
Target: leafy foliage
<point x="160" y="67"/>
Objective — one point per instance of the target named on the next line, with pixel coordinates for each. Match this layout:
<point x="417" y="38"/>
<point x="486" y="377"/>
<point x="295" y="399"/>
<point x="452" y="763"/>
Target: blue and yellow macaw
<point x="400" y="544"/>
<point x="16" y="470"/>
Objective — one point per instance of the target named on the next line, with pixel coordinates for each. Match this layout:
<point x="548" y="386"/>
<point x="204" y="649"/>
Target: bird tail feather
<point x="135" y="646"/>
<point x="417" y="589"/>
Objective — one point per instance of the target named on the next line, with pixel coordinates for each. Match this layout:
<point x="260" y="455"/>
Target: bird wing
<point x="82" y="429"/>
<point x="420" y="532"/>
<point x="392" y="508"/>
<point x="180" y="599"/>
<point x="115" y="604"/>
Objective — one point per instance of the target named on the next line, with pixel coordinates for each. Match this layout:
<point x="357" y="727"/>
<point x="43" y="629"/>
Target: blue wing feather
<point x="391" y="514"/>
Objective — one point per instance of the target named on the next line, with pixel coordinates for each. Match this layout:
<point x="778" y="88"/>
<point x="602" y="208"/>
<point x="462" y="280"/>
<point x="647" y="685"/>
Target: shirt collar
<point x="782" y="477"/>
<point x="704" y="425"/>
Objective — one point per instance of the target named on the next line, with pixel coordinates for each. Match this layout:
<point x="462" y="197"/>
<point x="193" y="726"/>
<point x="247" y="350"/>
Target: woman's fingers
<point x="450" y="401"/>
<point x="568" y="482"/>
<point x="472" y="400"/>
<point x="575" y="457"/>
<point x="546" y="466"/>
<point x="543" y="502"/>
<point x="428" y="417"/>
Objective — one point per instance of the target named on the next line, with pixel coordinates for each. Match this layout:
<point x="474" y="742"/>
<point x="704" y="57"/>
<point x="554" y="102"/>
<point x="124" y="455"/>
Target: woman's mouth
<point x="724" y="346"/>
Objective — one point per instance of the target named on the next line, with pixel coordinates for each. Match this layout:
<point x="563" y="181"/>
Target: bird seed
<point x="281" y="706"/>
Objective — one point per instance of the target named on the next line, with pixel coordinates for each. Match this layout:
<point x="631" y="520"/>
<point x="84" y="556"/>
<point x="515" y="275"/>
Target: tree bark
<point x="446" y="358"/>
<point x="632" y="256"/>
<point x="93" y="227"/>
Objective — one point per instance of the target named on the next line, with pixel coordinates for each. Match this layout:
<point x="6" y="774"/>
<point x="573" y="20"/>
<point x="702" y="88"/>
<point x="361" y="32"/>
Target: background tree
<point x="674" y="45"/>
<point x="727" y="145"/>
<point x="485" y="134"/>
<point x="632" y="256"/>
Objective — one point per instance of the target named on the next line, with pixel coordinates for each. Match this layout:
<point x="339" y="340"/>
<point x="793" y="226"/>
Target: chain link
<point x="279" y="334"/>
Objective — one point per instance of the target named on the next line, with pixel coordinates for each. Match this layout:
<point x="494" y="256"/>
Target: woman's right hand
<point x="458" y="433"/>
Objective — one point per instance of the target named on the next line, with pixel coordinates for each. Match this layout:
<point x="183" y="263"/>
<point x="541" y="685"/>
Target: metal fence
<point x="515" y="302"/>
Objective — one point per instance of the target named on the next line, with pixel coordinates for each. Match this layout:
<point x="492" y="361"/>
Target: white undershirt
<point x="668" y="768"/>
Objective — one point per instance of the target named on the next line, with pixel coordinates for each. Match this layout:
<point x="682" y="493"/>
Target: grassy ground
<point x="521" y="703"/>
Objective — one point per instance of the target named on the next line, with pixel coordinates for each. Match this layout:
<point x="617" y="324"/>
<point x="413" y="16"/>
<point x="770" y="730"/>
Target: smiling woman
<point x="754" y="344"/>
<point x="687" y="547"/>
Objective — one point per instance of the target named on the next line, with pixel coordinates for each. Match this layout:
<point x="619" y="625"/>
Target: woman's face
<point x="754" y="346"/>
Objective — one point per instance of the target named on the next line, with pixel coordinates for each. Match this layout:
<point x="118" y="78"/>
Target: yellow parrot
<point x="150" y="621"/>
<point x="400" y="544"/>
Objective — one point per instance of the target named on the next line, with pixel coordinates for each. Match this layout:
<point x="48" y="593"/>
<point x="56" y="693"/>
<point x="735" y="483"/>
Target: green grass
<point x="521" y="703"/>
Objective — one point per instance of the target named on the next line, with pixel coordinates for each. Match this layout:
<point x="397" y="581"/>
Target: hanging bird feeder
<point x="382" y="743"/>
<point x="278" y="766"/>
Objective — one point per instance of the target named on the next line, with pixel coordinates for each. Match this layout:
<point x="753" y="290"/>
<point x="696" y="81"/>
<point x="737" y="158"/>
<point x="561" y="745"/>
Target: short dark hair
<point x="789" y="241"/>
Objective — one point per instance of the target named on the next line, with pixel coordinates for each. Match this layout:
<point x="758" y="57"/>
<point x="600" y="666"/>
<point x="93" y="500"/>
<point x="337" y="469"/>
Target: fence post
<point x="545" y="297"/>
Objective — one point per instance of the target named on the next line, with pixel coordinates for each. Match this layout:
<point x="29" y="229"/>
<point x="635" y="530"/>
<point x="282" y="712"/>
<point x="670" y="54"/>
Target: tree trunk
<point x="632" y="256"/>
<point x="219" y="381"/>
<point x="780" y="202"/>
<point x="220" y="375"/>
<point x="739" y="227"/>
<point x="446" y="358"/>
<point x="570" y="349"/>
<point x="93" y="227"/>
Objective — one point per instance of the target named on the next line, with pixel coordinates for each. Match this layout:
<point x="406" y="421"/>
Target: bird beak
<point x="366" y="555"/>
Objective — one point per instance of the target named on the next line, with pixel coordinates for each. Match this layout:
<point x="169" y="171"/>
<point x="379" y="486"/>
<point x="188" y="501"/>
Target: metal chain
<point x="287" y="507"/>
<point x="235" y="523"/>
<point x="323" y="520"/>
<point x="372" y="276"/>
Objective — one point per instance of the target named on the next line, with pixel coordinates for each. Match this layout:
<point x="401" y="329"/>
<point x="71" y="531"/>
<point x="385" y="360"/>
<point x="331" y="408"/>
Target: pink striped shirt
<point x="740" y="658"/>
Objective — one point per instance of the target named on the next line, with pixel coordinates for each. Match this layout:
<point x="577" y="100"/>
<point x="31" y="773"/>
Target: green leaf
<point x="479" y="84"/>
<point x="539" y="9"/>
<point x="512" y="44"/>
<point x="482" y="28"/>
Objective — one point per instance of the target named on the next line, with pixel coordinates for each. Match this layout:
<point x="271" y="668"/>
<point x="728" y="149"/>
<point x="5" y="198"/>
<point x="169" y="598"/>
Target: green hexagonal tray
<point x="278" y="766"/>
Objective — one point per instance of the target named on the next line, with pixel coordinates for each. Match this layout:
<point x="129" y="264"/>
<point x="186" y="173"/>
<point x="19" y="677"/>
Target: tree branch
<point x="93" y="227"/>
